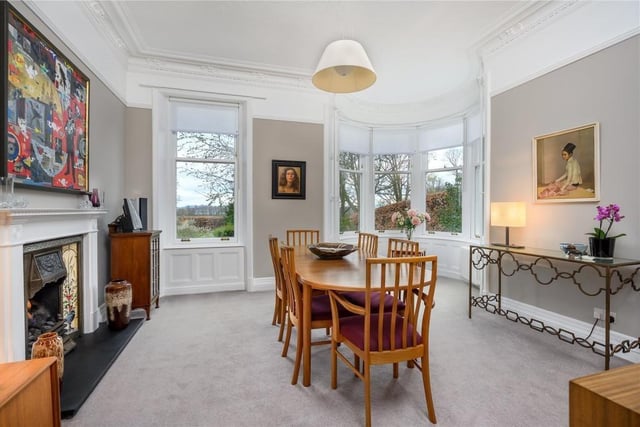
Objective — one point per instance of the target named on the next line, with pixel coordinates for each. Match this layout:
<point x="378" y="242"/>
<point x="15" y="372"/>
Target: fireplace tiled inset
<point x="52" y="287"/>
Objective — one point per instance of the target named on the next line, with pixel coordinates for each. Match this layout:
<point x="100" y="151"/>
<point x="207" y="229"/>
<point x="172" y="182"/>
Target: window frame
<point x="461" y="169"/>
<point x="164" y="175"/>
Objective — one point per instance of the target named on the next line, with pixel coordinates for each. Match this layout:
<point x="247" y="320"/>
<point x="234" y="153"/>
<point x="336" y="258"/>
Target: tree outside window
<point x="350" y="191"/>
<point x="444" y="189"/>
<point x="205" y="185"/>
<point x="392" y="187"/>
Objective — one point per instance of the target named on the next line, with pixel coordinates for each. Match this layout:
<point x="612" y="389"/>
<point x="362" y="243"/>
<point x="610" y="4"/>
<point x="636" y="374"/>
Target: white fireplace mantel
<point x="19" y="227"/>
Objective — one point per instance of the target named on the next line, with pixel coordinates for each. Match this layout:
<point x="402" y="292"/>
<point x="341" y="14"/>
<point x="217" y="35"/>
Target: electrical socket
<point x="598" y="313"/>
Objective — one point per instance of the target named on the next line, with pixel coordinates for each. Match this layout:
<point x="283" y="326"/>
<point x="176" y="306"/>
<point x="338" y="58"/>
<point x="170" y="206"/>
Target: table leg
<point x="306" y="335"/>
<point x="607" y="321"/>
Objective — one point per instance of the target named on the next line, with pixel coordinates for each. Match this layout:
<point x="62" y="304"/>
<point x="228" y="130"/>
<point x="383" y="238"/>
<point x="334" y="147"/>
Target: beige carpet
<point x="213" y="360"/>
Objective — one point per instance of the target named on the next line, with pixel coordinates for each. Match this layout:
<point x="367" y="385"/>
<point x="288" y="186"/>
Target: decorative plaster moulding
<point x="95" y="45"/>
<point x="532" y="19"/>
<point x="153" y="65"/>
<point x="100" y="18"/>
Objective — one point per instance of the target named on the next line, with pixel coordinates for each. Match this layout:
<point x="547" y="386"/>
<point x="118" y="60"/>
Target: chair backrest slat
<point x="277" y="266"/>
<point x="402" y="248"/>
<point x="294" y="293"/>
<point x="368" y="244"/>
<point x="303" y="237"/>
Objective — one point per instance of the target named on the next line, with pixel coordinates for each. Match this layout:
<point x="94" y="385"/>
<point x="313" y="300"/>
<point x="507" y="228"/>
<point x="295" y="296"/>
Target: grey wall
<point x="137" y="158"/>
<point x="280" y="140"/>
<point x="106" y="152"/>
<point x="605" y="88"/>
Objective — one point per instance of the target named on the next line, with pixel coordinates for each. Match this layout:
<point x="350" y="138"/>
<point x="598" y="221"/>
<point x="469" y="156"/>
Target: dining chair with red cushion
<point x="280" y="306"/>
<point x="383" y="335"/>
<point x="320" y="309"/>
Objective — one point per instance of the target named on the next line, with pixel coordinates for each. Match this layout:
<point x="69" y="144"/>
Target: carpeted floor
<point x="213" y="360"/>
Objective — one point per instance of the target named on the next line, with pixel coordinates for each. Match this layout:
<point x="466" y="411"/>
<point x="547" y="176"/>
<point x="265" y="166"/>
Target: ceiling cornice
<point x="221" y="72"/>
<point x="525" y="22"/>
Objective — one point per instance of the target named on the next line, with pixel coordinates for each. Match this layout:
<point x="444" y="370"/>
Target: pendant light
<point x="343" y="68"/>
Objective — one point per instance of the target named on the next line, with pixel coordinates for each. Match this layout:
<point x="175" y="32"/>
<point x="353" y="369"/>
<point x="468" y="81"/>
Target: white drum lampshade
<point x="343" y="68"/>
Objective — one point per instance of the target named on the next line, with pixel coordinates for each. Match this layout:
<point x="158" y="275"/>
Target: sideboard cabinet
<point x="135" y="257"/>
<point x="30" y="393"/>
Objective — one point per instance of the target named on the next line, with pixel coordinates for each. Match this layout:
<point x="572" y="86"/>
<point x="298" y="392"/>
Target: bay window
<point x="383" y="170"/>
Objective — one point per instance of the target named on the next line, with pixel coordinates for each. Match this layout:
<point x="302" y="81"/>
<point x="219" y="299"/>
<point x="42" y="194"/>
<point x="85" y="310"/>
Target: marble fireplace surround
<point x="23" y="226"/>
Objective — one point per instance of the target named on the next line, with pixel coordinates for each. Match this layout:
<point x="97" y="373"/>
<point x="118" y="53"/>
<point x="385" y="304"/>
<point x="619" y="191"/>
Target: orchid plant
<point x="409" y="219"/>
<point x="607" y="214"/>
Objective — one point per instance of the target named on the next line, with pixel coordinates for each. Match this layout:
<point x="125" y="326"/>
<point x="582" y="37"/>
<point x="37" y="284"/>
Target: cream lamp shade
<point x="343" y="68"/>
<point x="508" y="214"/>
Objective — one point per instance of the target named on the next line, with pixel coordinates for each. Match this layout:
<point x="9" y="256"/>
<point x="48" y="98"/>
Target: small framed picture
<point x="288" y="179"/>
<point x="566" y="165"/>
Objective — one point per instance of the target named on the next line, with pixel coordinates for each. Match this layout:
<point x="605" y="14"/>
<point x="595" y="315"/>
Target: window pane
<point x="444" y="200"/>
<point x="391" y="187"/>
<point x="391" y="194"/>
<point x="204" y="200"/>
<point x="349" y="201"/>
<point x="446" y="158"/>
<point x="191" y="145"/>
<point x="349" y="161"/>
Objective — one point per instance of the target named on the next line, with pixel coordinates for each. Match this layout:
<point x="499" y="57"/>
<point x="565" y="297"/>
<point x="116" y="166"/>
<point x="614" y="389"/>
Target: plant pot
<point x="117" y="298"/>
<point x="49" y="344"/>
<point x="602" y="248"/>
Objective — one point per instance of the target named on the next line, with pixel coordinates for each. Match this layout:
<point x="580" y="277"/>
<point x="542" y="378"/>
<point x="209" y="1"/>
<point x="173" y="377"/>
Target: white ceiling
<point x="420" y="50"/>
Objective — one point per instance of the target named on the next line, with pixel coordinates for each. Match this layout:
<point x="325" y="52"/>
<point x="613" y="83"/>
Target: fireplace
<point x="23" y="230"/>
<point x="51" y="280"/>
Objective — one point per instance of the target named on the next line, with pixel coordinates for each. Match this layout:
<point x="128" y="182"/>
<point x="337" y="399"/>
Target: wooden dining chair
<point x="368" y="244"/>
<point x="396" y="247"/>
<point x="383" y="335"/>
<point x="303" y="237"/>
<point x="280" y="306"/>
<point x="320" y="309"/>
<point x="402" y="248"/>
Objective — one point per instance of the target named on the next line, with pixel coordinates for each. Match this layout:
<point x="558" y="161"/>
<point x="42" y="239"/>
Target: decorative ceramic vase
<point x="117" y="298"/>
<point x="95" y="198"/>
<point x="49" y="344"/>
<point x="602" y="248"/>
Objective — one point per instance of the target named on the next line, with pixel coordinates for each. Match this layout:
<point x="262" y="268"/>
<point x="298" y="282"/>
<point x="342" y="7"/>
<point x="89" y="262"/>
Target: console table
<point x="547" y="266"/>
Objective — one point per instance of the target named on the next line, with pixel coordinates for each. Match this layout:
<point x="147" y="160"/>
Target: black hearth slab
<point x="85" y="366"/>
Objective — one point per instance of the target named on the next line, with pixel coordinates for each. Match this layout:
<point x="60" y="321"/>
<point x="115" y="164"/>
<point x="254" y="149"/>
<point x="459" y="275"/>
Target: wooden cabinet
<point x="30" y="393"/>
<point x="609" y="398"/>
<point x="135" y="257"/>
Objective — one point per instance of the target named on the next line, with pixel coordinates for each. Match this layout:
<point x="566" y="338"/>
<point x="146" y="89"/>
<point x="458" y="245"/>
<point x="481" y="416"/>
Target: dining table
<point x="316" y="274"/>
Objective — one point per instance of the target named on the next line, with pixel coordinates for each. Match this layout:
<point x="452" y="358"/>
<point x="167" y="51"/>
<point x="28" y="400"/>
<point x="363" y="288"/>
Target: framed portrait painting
<point x="566" y="165"/>
<point x="46" y="111"/>
<point x="288" y="179"/>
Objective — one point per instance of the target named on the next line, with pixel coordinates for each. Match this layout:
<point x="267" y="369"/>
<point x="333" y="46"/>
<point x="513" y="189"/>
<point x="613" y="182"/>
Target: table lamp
<point x="508" y="214"/>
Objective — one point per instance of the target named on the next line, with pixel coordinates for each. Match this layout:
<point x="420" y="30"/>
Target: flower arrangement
<point x="409" y="219"/>
<point x="610" y="214"/>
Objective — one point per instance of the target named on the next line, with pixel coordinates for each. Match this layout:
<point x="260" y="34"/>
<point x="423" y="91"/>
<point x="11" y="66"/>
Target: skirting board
<point x="578" y="327"/>
<point x="202" y="289"/>
<point x="263" y="284"/>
